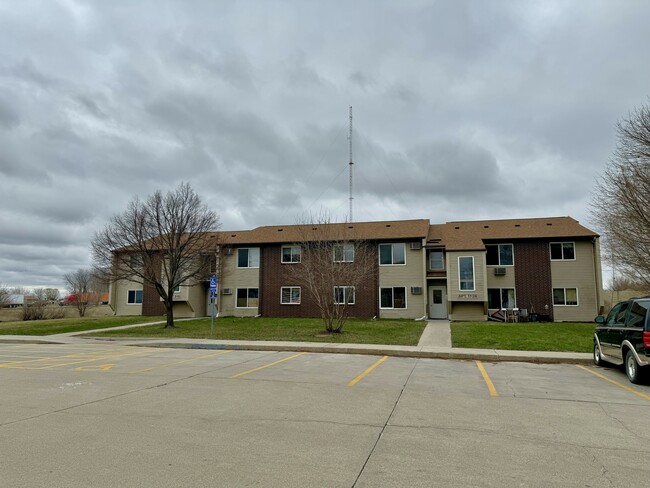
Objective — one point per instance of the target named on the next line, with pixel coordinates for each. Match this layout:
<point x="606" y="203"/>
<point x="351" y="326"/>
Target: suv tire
<point x="598" y="359"/>
<point x="632" y="368"/>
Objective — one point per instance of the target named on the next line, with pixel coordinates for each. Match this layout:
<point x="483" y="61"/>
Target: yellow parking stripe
<point x="614" y="382"/>
<point x="488" y="381"/>
<point x="266" y="366"/>
<point x="367" y="371"/>
<point x="70" y="362"/>
<point x="65" y="356"/>
<point x="180" y="362"/>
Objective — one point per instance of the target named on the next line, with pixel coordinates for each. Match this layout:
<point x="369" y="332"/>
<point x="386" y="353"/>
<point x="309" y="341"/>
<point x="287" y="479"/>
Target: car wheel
<point x="632" y="368"/>
<point x="598" y="360"/>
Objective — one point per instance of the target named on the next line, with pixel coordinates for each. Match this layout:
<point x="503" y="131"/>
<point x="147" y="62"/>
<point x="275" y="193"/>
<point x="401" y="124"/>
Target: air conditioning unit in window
<point x="416" y="245"/>
<point x="226" y="291"/>
<point x="499" y="271"/>
<point x="416" y="290"/>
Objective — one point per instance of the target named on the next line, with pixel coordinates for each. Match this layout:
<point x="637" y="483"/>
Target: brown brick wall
<point x="151" y="304"/>
<point x="273" y="276"/>
<point x="533" y="277"/>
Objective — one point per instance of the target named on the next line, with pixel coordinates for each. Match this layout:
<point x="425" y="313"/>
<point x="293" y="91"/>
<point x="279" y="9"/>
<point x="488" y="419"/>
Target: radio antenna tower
<point x="351" y="164"/>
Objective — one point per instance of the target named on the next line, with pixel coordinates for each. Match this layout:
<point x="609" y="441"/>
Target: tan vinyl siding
<point x="507" y="281"/>
<point x="190" y="302"/>
<point x="409" y="275"/>
<point x="233" y="278"/>
<point x="122" y="288"/>
<point x="467" y="312"/>
<point x="581" y="274"/>
<point x="479" y="294"/>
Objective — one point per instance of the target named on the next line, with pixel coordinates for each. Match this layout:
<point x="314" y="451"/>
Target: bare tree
<point x="158" y="242"/>
<point x="5" y="296"/>
<point x="332" y="268"/>
<point x="80" y="284"/>
<point x="621" y="202"/>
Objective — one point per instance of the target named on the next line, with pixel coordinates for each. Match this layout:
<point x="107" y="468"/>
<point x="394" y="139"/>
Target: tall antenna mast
<point x="351" y="163"/>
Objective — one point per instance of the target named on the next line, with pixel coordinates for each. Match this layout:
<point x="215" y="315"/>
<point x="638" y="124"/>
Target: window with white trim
<point x="436" y="260"/>
<point x="248" y="257"/>
<point x="392" y="297"/>
<point x="134" y="297"/>
<point x="344" y="253"/>
<point x="247" y="297"/>
<point x="499" y="255"/>
<point x="565" y="296"/>
<point x="291" y="254"/>
<point x="290" y="295"/>
<point x="466" y="273"/>
<point x="391" y="254"/>
<point x="343" y="295"/>
<point x="563" y="251"/>
<point x="501" y="298"/>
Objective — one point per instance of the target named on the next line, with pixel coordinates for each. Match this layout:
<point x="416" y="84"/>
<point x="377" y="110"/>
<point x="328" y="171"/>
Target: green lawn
<point x="532" y="336"/>
<point x="79" y="324"/>
<point x="398" y="332"/>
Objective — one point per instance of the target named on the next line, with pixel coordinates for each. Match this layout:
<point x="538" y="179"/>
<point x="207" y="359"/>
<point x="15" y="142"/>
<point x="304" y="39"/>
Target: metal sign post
<point x="213" y="293"/>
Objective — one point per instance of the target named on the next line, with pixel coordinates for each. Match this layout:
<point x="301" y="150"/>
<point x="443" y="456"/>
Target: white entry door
<point x="438" y="302"/>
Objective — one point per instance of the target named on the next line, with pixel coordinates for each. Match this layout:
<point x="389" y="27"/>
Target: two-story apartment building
<point x="549" y="267"/>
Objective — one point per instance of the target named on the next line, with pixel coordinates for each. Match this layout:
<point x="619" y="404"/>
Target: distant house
<point x="544" y="268"/>
<point x="16" y="301"/>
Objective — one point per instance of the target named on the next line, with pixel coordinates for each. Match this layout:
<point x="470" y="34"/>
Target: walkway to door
<point x="437" y="333"/>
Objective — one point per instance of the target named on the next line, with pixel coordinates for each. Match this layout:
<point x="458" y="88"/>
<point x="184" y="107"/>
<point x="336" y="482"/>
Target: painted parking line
<point x="54" y="358"/>
<point x="266" y="366"/>
<point x="367" y="371"/>
<point x="180" y="362"/>
<point x="614" y="382"/>
<point x="486" y="378"/>
<point x="68" y="361"/>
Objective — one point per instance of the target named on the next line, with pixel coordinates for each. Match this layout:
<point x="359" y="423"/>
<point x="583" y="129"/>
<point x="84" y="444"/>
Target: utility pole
<point x="351" y="165"/>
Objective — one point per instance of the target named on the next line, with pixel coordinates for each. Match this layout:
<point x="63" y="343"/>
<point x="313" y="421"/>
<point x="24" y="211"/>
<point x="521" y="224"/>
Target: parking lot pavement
<point x="82" y="415"/>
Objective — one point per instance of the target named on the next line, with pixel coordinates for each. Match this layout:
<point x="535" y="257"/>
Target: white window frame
<point x="442" y="253"/>
<point x="392" y="307"/>
<point x="247" y="297"/>
<point x="292" y="255"/>
<point x="392" y="253"/>
<point x="290" y="288"/>
<point x="345" y="247"/>
<point x="460" y="282"/>
<point x="135" y="297"/>
<point x="498" y="246"/>
<point x="564" y="289"/>
<point x="249" y="249"/>
<point x="345" y="294"/>
<point x="501" y="295"/>
<point x="550" y="253"/>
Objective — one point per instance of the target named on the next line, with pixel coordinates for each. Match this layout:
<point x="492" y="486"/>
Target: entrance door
<point x="438" y="302"/>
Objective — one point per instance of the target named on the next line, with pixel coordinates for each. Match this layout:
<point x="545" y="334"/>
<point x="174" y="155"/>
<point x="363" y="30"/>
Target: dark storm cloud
<point x="462" y="110"/>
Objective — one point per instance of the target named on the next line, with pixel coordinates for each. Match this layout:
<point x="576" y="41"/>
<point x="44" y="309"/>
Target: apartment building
<point x="547" y="268"/>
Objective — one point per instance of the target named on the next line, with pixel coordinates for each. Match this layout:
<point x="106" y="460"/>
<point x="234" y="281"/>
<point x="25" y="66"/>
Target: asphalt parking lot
<point x="82" y="415"/>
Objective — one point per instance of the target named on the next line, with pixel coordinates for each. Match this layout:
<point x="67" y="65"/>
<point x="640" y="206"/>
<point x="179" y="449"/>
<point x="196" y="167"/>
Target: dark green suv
<point x="623" y="337"/>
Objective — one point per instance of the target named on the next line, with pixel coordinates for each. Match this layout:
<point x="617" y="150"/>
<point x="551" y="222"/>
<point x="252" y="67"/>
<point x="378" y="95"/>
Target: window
<point x="616" y="316"/>
<point x="436" y="260"/>
<point x="343" y="295"/>
<point x="344" y="253"/>
<point x="638" y="312"/>
<point x="291" y="254"/>
<point x="501" y="298"/>
<point x="466" y="273"/>
<point x="565" y="296"/>
<point x="290" y="295"/>
<point x="392" y="254"/>
<point x="394" y="297"/>
<point x="248" y="258"/>
<point x="499" y="255"/>
<point x="134" y="296"/>
<point x="562" y="251"/>
<point x="177" y="289"/>
<point x="248" y="297"/>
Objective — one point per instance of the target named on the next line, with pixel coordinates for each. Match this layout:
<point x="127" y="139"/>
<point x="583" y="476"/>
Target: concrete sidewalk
<point x="434" y="343"/>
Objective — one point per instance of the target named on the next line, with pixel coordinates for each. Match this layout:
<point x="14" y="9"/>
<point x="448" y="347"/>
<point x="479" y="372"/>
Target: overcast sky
<point x="463" y="110"/>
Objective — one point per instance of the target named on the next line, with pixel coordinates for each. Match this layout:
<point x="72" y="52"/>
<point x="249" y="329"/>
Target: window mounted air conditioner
<point x="416" y="290"/>
<point x="416" y="245"/>
<point x="226" y="291"/>
<point x="499" y="271"/>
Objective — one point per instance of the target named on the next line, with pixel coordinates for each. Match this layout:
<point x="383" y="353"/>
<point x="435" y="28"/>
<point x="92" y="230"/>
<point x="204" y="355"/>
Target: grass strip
<point x="78" y="324"/>
<point x="530" y="336"/>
